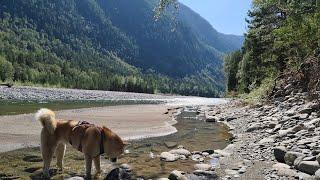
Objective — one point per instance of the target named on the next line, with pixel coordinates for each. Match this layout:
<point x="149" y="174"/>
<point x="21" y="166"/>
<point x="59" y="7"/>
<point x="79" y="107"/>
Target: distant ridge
<point x="113" y="45"/>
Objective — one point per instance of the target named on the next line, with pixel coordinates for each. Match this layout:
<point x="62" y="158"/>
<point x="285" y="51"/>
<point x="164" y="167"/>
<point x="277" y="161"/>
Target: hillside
<point x="207" y="34"/>
<point x="111" y="45"/>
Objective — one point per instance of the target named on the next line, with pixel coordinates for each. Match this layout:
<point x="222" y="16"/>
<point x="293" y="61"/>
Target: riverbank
<point x="275" y="140"/>
<point x="129" y="121"/>
<point x="134" y="121"/>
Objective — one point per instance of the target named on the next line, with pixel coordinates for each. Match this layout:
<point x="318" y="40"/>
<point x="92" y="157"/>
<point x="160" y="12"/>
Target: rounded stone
<point x="279" y="153"/>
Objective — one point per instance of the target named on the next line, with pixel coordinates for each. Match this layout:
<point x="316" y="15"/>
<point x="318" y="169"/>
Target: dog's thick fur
<point x="56" y="134"/>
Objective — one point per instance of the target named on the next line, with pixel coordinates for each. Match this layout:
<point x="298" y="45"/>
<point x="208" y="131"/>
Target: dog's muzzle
<point x="113" y="160"/>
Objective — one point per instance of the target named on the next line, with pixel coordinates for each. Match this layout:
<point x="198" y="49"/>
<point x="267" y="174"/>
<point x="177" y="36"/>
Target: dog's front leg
<point x="96" y="161"/>
<point x="88" y="159"/>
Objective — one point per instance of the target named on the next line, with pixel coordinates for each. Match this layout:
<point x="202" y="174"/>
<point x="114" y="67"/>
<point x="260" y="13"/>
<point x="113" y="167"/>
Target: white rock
<point x="168" y="157"/>
<point x="76" y="178"/>
<point x="266" y="140"/>
<point x="204" y="167"/>
<point x="180" y="152"/>
<point x="231" y="172"/>
<point x="280" y="166"/>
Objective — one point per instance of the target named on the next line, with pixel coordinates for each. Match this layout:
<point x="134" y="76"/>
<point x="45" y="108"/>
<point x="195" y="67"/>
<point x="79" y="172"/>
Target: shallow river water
<point x="21" y="107"/>
<point x="193" y="133"/>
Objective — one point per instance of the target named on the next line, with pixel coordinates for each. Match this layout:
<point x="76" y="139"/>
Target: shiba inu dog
<point x="91" y="140"/>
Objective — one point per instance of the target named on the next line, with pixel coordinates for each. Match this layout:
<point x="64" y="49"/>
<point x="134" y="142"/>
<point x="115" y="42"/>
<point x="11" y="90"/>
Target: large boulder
<point x="291" y="156"/>
<point x="279" y="153"/>
<point x="309" y="167"/>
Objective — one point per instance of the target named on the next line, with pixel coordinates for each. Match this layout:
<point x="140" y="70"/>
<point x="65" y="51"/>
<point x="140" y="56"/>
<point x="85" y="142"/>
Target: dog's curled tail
<point x="47" y="119"/>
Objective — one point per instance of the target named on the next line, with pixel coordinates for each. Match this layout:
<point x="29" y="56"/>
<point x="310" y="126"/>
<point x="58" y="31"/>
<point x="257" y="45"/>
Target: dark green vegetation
<point x="111" y="45"/>
<point x="283" y="36"/>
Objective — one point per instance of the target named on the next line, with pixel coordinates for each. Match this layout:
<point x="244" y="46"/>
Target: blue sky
<point x="226" y="16"/>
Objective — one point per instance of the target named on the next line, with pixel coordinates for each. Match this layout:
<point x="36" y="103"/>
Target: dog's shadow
<point x="32" y="158"/>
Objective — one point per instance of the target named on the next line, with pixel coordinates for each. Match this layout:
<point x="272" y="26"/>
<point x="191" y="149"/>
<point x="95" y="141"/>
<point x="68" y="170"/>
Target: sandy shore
<point x="129" y="121"/>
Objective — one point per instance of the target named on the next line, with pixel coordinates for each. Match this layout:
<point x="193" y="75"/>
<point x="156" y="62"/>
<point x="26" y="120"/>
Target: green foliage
<point x="259" y="93"/>
<point x="281" y="35"/>
<point x="6" y="69"/>
<point x="231" y="65"/>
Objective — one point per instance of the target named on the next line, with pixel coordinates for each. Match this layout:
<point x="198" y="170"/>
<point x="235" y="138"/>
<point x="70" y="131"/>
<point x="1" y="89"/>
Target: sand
<point x="129" y="121"/>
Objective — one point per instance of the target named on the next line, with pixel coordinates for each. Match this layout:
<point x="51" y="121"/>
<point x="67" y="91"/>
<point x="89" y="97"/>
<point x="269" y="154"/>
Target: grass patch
<point x="258" y="94"/>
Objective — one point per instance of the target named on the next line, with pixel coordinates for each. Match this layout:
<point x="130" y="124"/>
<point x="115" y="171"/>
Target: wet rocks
<point x="211" y="118"/>
<point x="285" y="132"/>
<point x="119" y="173"/>
<point x="197" y="157"/>
<point x="177" y="175"/>
<point x="170" y="144"/>
<point x="205" y="174"/>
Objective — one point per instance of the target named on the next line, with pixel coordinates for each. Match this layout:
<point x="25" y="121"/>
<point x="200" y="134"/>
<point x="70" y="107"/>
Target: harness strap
<point x="102" y="135"/>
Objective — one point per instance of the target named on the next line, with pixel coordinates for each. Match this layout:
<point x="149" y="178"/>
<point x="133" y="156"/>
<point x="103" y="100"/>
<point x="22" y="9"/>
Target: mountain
<point x="207" y="34"/>
<point x="112" y="45"/>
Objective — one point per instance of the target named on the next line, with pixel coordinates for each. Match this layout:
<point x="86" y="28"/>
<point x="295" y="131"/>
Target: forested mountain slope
<point x="207" y="34"/>
<point x="111" y="45"/>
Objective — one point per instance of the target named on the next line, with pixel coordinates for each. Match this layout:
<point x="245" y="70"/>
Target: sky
<point x="226" y="16"/>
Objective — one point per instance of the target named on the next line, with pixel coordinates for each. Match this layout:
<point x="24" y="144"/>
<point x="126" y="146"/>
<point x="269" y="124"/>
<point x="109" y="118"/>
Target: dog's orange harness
<point x="85" y="125"/>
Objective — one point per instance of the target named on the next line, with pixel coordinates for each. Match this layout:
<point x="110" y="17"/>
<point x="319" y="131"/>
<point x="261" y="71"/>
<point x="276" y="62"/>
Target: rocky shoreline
<point x="276" y="140"/>
<point x="28" y="93"/>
